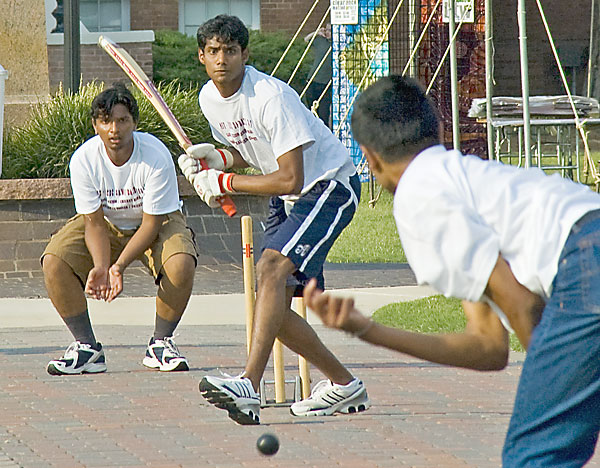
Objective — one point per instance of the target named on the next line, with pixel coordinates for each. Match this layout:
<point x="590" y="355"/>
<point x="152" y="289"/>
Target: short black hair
<point x="226" y="28"/>
<point x="104" y="103"/>
<point x="395" y="118"/>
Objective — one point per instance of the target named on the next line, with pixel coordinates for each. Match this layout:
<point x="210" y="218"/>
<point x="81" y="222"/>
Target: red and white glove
<point x="211" y="184"/>
<point x="215" y="158"/>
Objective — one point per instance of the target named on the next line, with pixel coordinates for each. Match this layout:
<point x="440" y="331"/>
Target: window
<point x="105" y="15"/>
<point x="192" y="13"/>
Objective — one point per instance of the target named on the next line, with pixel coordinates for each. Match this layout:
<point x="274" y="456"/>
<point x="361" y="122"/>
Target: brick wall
<point x="97" y="64"/>
<point x="31" y="210"/>
<point x="155" y="15"/>
<point x="287" y="15"/>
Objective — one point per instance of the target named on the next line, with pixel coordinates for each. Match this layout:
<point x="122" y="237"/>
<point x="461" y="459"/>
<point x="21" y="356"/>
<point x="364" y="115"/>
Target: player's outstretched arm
<point x="482" y="346"/>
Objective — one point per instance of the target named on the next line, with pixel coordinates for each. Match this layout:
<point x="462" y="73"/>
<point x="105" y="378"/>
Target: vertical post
<point x="453" y="76"/>
<point x="489" y="76"/>
<point x="279" y="371"/>
<point x="593" y="53"/>
<point x="71" y="45"/>
<point x="303" y="365"/>
<point x="3" y="75"/>
<point x="249" y="282"/>
<point x="524" y="80"/>
<point x="412" y="34"/>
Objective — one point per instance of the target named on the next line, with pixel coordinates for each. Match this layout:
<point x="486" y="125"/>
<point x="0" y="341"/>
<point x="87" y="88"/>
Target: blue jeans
<point x="556" y="417"/>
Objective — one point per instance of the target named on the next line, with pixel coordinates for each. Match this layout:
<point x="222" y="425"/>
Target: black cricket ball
<point x="267" y="444"/>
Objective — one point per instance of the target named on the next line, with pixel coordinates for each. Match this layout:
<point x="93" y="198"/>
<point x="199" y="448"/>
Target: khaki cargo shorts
<point x="174" y="237"/>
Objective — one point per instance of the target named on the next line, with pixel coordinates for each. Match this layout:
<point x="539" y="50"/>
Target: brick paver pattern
<point x="423" y="415"/>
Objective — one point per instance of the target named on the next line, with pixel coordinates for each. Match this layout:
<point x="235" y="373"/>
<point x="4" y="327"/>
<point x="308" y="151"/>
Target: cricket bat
<point x="145" y="85"/>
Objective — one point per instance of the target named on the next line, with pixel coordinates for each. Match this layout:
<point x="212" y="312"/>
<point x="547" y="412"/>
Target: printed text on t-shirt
<point x="121" y="199"/>
<point x="238" y="132"/>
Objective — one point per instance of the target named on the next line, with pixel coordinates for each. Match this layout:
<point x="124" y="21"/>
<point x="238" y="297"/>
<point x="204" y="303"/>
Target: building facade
<point x="132" y="23"/>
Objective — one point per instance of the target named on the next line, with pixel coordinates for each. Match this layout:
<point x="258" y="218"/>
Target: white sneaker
<point x="327" y="398"/>
<point x="79" y="358"/>
<point x="164" y="356"/>
<point x="234" y="394"/>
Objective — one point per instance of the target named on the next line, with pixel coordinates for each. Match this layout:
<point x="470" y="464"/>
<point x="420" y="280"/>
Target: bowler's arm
<point x="482" y="346"/>
<point x="522" y="308"/>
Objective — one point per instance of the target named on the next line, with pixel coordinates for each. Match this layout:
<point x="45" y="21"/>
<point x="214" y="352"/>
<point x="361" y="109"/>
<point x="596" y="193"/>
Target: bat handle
<point x="227" y="205"/>
<point x="225" y="201"/>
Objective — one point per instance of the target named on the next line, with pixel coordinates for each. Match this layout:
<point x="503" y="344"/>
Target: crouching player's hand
<point x="211" y="184"/>
<point x="97" y="285"/>
<point x="335" y="312"/>
<point x="115" y="277"/>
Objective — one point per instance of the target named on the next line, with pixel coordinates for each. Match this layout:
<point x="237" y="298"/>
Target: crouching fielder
<point x="522" y="249"/>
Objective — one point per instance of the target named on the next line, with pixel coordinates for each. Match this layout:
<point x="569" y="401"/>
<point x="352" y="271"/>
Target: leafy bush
<point x="43" y="146"/>
<point x="176" y="57"/>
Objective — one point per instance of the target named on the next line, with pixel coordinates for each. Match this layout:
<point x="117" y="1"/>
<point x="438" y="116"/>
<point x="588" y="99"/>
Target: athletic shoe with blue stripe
<point x="235" y="395"/>
<point x="79" y="358"/>
<point x="164" y="355"/>
<point x="327" y="398"/>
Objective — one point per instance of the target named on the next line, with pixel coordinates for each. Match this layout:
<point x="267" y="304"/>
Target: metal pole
<point x="3" y="76"/>
<point x="489" y="76"/>
<point x="412" y="33"/>
<point x="453" y="77"/>
<point x="593" y="35"/>
<point x="71" y="46"/>
<point x="522" y="17"/>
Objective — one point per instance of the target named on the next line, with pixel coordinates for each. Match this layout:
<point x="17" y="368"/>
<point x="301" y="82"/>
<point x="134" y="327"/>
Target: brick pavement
<point x="423" y="415"/>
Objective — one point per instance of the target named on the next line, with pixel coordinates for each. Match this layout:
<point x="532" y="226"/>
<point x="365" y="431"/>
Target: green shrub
<point x="44" y="145"/>
<point x="176" y="57"/>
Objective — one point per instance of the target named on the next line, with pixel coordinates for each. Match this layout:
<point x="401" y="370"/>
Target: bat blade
<point x="145" y="85"/>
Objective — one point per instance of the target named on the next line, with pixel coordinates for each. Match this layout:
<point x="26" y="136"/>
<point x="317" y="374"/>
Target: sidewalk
<point x="423" y="415"/>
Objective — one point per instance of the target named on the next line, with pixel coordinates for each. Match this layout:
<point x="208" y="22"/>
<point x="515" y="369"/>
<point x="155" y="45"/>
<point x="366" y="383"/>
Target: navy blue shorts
<point x="306" y="234"/>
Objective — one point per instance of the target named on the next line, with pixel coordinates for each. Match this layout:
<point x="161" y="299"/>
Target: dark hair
<point x="104" y="103"/>
<point x="395" y="118"/>
<point x="225" y="28"/>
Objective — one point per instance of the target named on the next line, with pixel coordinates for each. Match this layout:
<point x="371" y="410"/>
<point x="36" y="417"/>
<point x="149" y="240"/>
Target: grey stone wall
<point x="31" y="210"/>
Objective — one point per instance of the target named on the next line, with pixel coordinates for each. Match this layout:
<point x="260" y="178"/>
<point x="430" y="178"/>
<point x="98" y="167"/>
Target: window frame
<point x="125" y="16"/>
<point x="255" y="15"/>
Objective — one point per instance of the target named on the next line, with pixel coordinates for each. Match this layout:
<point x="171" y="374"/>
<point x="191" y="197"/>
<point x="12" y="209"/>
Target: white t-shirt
<point x="456" y="213"/>
<point x="265" y="119"/>
<point x="146" y="183"/>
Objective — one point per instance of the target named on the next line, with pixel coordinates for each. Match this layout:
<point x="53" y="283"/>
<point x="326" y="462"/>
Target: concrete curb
<point x="216" y="309"/>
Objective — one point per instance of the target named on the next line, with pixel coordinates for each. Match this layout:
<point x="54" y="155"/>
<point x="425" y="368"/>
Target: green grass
<point x="435" y="314"/>
<point x="371" y="237"/>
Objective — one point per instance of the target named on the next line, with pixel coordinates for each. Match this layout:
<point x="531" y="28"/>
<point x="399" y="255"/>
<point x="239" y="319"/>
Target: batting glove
<point x="215" y="158"/>
<point x="211" y="184"/>
<point x="189" y="166"/>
